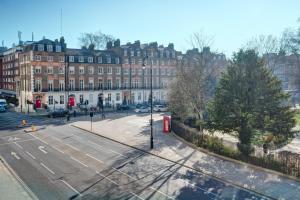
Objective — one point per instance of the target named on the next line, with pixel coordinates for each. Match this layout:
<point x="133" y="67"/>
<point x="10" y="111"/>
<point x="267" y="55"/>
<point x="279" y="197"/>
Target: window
<point x="109" y="83"/>
<point x="81" y="59"/>
<point x="50" y="100"/>
<point x="90" y="59"/>
<point x="99" y="59"/>
<point x="71" y="58"/>
<point x="40" y="47"/>
<point x="50" y="85"/>
<point x="61" y="99"/>
<point x="109" y="96"/>
<point x="118" y="70"/>
<point x="138" y="53"/>
<point x="126" y="84"/>
<point x="125" y="52"/>
<point x="100" y="84"/>
<point x="58" y="48"/>
<point x="71" y="84"/>
<point x="50" y="70"/>
<point x="81" y="84"/>
<point x="49" y="48"/>
<point x="61" y="70"/>
<point x="126" y="61"/>
<point x="135" y="83"/>
<point x="100" y="70"/>
<point x="71" y="70"/>
<point x="118" y="83"/>
<point x="117" y="60"/>
<point x="61" y="85"/>
<point x="37" y="58"/>
<point x="91" y="98"/>
<point x="81" y="98"/>
<point x="91" y="70"/>
<point x="132" y="71"/>
<point x="109" y="70"/>
<point x="38" y="70"/>
<point x="126" y="71"/>
<point x="139" y="96"/>
<point x="118" y="97"/>
<point x="38" y="85"/>
<point x="50" y="58"/>
<point x="81" y="70"/>
<point x="108" y="59"/>
<point x="61" y="59"/>
<point x="91" y="84"/>
<point x="131" y="53"/>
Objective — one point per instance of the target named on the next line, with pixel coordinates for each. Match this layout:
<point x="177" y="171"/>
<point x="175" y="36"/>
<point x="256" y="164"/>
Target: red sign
<point x="71" y="101"/>
<point x="38" y="103"/>
<point x="167" y="124"/>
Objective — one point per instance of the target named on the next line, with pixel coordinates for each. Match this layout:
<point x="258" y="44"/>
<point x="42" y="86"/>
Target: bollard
<point x="24" y="122"/>
<point x="74" y="113"/>
<point x="33" y="128"/>
<point x="68" y="117"/>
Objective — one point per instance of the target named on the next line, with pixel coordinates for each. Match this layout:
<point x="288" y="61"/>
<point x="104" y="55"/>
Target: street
<point x="62" y="162"/>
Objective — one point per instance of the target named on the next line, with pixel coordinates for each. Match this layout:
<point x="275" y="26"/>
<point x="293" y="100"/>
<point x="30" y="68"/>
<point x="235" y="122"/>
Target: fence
<point x="285" y="162"/>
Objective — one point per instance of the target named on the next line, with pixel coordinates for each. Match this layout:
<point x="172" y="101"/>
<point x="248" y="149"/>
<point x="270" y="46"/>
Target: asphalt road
<point x="62" y="162"/>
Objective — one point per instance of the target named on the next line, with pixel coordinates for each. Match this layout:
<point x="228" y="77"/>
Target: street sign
<point x="91" y="114"/>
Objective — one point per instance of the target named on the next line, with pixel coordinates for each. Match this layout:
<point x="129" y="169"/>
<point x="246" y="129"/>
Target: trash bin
<point x="167" y="124"/>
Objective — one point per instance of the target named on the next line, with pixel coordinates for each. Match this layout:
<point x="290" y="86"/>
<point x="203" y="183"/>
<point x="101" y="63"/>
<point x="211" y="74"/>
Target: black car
<point x="58" y="113"/>
<point x="122" y="107"/>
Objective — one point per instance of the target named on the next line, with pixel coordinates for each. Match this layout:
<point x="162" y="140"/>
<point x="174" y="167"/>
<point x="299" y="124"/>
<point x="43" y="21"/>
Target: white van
<point x="3" y="102"/>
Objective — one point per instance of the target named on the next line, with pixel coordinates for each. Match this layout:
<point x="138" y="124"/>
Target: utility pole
<point x="130" y="77"/>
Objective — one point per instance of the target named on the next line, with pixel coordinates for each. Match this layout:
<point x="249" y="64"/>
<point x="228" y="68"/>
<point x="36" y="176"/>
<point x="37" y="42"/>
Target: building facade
<point x="53" y="76"/>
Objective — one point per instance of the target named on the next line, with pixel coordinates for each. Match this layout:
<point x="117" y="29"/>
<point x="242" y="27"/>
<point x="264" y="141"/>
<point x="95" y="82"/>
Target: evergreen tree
<point x="249" y="98"/>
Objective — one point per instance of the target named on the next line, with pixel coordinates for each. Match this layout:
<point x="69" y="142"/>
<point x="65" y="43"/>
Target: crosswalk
<point x="11" y="120"/>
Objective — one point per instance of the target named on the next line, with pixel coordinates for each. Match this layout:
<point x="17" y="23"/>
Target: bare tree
<point x="264" y="44"/>
<point x="196" y="79"/>
<point x="97" y="39"/>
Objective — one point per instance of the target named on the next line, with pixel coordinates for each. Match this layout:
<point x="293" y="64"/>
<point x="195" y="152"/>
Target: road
<point x="62" y="162"/>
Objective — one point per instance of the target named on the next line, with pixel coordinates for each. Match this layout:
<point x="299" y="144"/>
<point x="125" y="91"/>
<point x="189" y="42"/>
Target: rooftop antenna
<point x="61" y="22"/>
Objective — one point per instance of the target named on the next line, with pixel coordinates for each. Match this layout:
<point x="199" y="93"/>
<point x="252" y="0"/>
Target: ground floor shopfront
<point x="32" y="101"/>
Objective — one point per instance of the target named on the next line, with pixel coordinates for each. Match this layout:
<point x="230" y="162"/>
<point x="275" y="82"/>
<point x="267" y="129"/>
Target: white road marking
<point x="72" y="188"/>
<point x="79" y="161"/>
<point x="72" y="147"/>
<point x="137" y="196"/>
<point x="161" y="192"/>
<point x="38" y="138"/>
<point x="107" y="178"/>
<point x="18" y="145"/>
<point x="52" y="172"/>
<point x="105" y="148"/>
<point x="30" y="155"/>
<point x="15" y="155"/>
<point x="42" y="149"/>
<point x="94" y="158"/>
<point x="193" y="185"/>
<point x="10" y="139"/>
<point x="18" y="141"/>
<point x="58" y="149"/>
<point x="123" y="173"/>
<point x="56" y="138"/>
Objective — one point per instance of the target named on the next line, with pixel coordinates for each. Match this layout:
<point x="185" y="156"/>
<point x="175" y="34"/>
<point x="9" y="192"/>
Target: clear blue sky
<point x="230" y="22"/>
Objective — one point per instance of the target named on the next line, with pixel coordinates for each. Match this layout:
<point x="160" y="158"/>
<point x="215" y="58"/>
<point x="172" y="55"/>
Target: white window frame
<point x="58" y="48"/>
<point x="50" y="70"/>
<point x="80" y="59"/>
<point x="90" y="59"/>
<point x="81" y="70"/>
<point x="41" y="47"/>
<point x="100" y="70"/>
<point x="49" y="48"/>
<point x="71" y="58"/>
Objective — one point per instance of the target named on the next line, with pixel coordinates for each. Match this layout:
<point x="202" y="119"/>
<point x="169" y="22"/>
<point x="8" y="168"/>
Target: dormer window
<point x="71" y="58"/>
<point x="108" y="59"/>
<point x="81" y="59"/>
<point x="132" y="53"/>
<point x="49" y="48"/>
<point x="58" y="48"/>
<point x="40" y="47"/>
<point x="173" y="54"/>
<point x="100" y="59"/>
<point x="125" y="52"/>
<point x="167" y="54"/>
<point x="138" y="53"/>
<point x="90" y="59"/>
<point x="117" y="60"/>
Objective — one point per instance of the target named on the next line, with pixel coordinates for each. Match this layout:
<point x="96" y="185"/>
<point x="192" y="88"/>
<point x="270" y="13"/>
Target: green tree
<point x="248" y="98"/>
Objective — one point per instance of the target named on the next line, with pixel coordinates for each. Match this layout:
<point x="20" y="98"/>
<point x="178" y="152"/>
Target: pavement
<point x="11" y="187"/>
<point x="134" y="131"/>
<point x="60" y="161"/>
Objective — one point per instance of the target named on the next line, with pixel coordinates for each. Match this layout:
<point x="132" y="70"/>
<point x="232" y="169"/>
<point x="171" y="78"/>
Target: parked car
<point x="2" y="108"/>
<point x="3" y="103"/>
<point x="142" y="109"/>
<point x="58" y="113"/>
<point x="122" y="107"/>
<point x="160" y="108"/>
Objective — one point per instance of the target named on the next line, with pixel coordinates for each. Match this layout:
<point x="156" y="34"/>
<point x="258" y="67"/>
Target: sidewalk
<point x="134" y="130"/>
<point x="10" y="187"/>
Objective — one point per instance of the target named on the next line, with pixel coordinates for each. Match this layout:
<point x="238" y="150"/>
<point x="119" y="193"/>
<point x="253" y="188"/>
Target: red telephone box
<point x="38" y="103"/>
<point x="167" y="124"/>
<point x="71" y="101"/>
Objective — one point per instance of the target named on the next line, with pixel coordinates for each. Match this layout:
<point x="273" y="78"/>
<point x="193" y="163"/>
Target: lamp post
<point x="144" y="83"/>
<point x="151" y="103"/>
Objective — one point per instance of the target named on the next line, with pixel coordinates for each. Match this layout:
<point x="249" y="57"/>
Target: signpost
<point x="91" y="115"/>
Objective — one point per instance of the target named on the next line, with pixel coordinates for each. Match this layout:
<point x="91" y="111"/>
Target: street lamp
<point x="151" y="100"/>
<point x="144" y="83"/>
